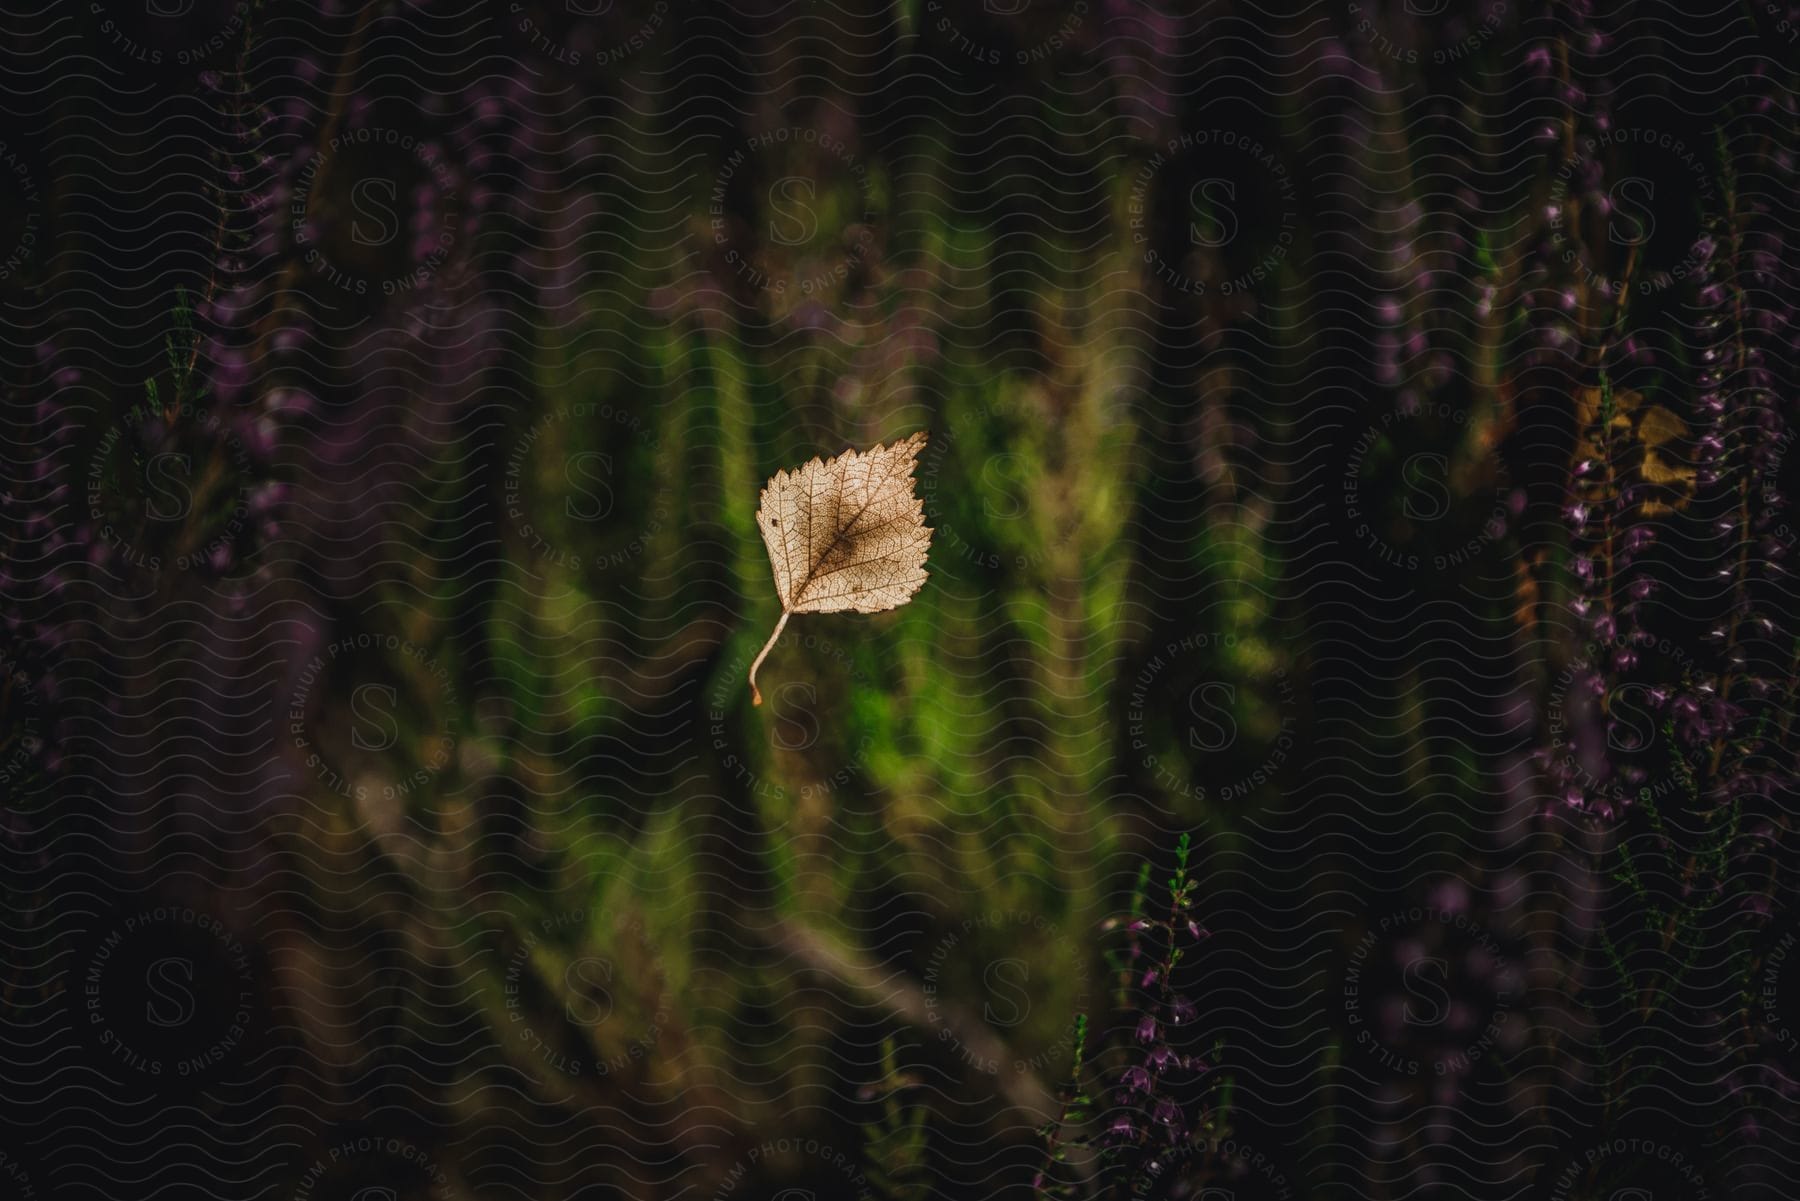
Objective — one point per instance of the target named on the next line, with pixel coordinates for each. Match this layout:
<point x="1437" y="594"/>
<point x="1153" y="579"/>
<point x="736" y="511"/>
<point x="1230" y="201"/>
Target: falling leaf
<point x="844" y="534"/>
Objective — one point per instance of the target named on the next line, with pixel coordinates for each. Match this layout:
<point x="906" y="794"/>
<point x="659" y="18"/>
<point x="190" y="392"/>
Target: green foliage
<point x="894" y="1140"/>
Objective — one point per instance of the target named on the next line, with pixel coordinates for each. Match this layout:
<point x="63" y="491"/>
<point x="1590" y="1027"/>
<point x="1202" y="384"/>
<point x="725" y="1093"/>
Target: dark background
<point x="1359" y="438"/>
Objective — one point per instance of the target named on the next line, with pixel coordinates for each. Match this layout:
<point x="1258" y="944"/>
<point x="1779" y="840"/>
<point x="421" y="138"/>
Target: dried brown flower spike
<point x="844" y="534"/>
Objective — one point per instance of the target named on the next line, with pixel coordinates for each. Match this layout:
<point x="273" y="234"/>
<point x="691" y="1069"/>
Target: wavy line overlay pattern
<point x="1360" y="437"/>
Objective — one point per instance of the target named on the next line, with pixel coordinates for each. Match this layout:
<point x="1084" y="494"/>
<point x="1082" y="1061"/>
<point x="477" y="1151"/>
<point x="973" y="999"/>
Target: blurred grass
<point x="951" y="757"/>
<point x="920" y="777"/>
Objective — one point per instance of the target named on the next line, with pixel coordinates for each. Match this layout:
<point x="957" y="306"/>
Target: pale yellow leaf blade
<point x="845" y="534"/>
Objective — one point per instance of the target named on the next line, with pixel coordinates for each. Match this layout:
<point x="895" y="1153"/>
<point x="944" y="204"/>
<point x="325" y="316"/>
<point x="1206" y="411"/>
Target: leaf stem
<point x="755" y="696"/>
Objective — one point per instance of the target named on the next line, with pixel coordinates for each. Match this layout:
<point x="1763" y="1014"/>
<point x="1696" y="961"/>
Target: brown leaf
<point x="1652" y="445"/>
<point x="1666" y="458"/>
<point x="844" y="534"/>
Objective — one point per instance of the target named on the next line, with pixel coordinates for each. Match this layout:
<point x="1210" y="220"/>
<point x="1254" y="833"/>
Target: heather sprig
<point x="894" y="1140"/>
<point x="1074" y="1107"/>
<point x="1674" y="494"/>
<point x="1672" y="728"/>
<point x="1146" y="1097"/>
